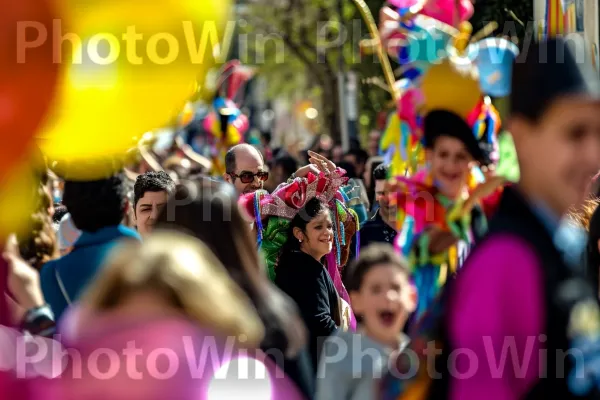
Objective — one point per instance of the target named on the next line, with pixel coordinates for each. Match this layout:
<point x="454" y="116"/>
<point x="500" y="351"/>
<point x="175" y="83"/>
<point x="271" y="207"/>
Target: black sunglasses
<point x="248" y="177"/>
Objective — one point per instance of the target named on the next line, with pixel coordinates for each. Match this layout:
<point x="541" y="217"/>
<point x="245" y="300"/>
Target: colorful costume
<point x="273" y="212"/>
<point x="444" y="92"/>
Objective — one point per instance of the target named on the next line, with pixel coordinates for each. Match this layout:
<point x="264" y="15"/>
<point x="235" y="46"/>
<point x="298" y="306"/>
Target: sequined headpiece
<point x="273" y="213"/>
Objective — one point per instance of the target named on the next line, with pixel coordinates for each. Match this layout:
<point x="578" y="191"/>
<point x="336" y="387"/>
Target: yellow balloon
<point x="129" y="67"/>
<point x="17" y="200"/>
<point x="450" y="87"/>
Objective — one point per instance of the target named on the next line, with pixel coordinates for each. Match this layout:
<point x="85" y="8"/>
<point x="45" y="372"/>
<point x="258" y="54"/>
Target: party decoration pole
<point x="374" y="32"/>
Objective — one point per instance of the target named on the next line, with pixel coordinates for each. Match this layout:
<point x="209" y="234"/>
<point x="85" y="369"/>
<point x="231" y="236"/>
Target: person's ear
<point x="227" y="178"/>
<point x="128" y="208"/>
<point x="598" y="245"/>
<point x="298" y="234"/>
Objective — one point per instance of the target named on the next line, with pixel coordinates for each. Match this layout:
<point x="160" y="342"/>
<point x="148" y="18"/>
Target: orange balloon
<point x="28" y="76"/>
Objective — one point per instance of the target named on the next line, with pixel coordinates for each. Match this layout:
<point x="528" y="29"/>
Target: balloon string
<point x="374" y="32"/>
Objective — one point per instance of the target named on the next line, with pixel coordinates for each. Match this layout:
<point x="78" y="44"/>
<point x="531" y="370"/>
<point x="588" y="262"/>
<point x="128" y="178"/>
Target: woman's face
<point x="450" y="165"/>
<point x="317" y="240"/>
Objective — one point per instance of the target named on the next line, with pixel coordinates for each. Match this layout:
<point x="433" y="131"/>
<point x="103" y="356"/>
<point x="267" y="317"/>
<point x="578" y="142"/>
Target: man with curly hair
<point x="150" y="195"/>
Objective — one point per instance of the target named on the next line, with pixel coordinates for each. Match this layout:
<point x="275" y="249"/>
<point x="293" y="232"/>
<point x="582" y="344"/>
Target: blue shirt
<point x="76" y="269"/>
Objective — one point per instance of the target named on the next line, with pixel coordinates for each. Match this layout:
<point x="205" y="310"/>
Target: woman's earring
<point x="300" y="240"/>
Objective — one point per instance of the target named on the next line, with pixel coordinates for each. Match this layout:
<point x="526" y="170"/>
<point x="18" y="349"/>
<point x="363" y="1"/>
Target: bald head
<point x="240" y="159"/>
<point x="240" y="151"/>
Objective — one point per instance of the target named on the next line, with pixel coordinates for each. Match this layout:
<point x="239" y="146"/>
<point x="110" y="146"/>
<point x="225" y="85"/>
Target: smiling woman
<point x="302" y="276"/>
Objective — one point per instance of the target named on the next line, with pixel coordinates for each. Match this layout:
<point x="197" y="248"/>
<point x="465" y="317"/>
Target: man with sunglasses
<point x="245" y="170"/>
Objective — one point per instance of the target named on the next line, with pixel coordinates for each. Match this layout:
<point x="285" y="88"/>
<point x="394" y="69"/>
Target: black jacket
<point x="567" y="295"/>
<point x="299" y="368"/>
<point x="307" y="282"/>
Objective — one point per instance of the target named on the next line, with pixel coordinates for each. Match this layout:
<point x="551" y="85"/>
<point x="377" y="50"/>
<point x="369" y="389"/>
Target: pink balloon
<point x="445" y="10"/>
<point x="403" y="3"/>
<point x="407" y="107"/>
<point x="208" y="122"/>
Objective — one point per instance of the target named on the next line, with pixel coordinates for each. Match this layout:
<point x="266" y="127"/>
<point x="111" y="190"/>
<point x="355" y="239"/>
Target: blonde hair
<point x="581" y="216"/>
<point x="187" y="274"/>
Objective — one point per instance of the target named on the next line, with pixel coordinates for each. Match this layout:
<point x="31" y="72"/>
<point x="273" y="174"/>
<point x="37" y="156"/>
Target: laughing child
<point x="383" y="297"/>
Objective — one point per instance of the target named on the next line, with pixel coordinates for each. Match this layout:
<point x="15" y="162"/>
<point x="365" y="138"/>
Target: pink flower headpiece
<point x="287" y="200"/>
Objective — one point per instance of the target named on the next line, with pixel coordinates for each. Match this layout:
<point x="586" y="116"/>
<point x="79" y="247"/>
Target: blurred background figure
<point x="168" y="292"/>
<point x="283" y="168"/>
<point x="592" y="254"/>
<point x="373" y="143"/>
<point x="212" y="216"/>
<point x="358" y="158"/>
<point x="372" y="163"/>
<point x="39" y="245"/>
<point x="337" y="154"/>
<point x="97" y="208"/>
<point x="265" y="141"/>
<point x="67" y="234"/>
<point x="177" y="167"/>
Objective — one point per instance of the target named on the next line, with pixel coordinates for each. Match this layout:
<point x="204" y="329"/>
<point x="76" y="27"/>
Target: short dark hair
<point x="287" y="163"/>
<point x="361" y="155"/>
<point x="349" y="168"/>
<point x="230" y="160"/>
<point x="375" y="254"/>
<point x="94" y="205"/>
<point x="59" y="212"/>
<point x="152" y="182"/>
<point x="381" y="172"/>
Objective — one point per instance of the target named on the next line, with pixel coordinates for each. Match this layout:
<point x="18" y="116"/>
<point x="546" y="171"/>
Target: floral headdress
<point x="273" y="213"/>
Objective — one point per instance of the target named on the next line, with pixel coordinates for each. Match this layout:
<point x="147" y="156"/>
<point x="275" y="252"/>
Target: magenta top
<point x="163" y="358"/>
<point x="496" y="319"/>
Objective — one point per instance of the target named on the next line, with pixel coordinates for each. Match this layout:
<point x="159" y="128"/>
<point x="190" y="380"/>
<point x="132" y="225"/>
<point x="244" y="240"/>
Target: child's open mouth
<point x="387" y="318"/>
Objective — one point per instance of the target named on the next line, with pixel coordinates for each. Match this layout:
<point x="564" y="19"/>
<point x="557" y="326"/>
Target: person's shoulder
<point x="503" y="245"/>
<point x="48" y="269"/>
<point x="128" y="232"/>
<point x="500" y="256"/>
<point x="372" y="224"/>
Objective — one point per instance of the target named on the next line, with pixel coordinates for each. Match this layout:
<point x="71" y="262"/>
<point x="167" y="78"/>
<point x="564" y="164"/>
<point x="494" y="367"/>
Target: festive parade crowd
<point x="206" y="263"/>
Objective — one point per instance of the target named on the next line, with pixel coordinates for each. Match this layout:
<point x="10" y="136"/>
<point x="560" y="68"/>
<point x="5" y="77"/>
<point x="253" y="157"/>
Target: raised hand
<point x="322" y="163"/>
<point x="23" y="279"/>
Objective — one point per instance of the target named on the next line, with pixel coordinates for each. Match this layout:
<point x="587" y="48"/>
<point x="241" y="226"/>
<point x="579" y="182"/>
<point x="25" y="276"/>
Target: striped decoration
<point x="561" y="17"/>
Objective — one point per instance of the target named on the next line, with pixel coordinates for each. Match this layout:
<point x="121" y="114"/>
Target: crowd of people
<point x="322" y="275"/>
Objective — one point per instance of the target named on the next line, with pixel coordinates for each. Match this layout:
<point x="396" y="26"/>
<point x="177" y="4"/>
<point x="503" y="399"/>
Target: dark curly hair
<point x="94" y="205"/>
<point x="152" y="182"/>
<point x="39" y="245"/>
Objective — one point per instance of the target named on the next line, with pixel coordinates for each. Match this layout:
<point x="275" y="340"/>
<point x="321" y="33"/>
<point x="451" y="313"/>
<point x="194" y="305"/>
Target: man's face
<point x="247" y="161"/>
<point x="560" y="154"/>
<point x="148" y="209"/>
<point x="381" y="196"/>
